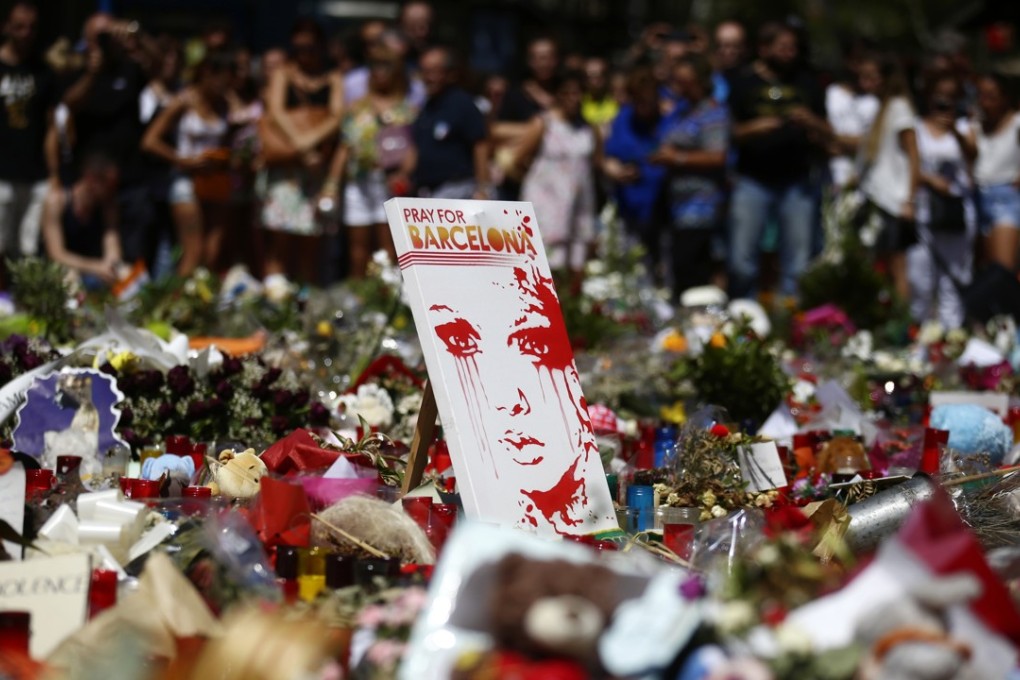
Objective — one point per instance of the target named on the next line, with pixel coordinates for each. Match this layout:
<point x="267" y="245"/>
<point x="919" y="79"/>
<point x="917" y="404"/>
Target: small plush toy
<point x="908" y="638"/>
<point x="237" y="475"/>
<point x="974" y="430"/>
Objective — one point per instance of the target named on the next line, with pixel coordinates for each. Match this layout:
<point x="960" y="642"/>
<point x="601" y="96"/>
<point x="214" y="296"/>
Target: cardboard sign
<point x="54" y="590"/>
<point x="12" y="502"/>
<point x="499" y="359"/>
<point x="997" y="402"/>
<point x="761" y="467"/>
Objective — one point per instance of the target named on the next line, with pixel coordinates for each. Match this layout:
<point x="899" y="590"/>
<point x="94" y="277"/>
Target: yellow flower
<point x="121" y="360"/>
<point x="718" y="340"/>
<point x="675" y="342"/>
<point x="674" y="414"/>
<point x="708" y="499"/>
<point x="323" y="329"/>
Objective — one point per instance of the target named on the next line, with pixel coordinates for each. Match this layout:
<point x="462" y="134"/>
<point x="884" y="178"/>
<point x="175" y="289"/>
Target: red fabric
<point x="937" y="536"/>
<point x="282" y="515"/>
<point x="299" y="452"/>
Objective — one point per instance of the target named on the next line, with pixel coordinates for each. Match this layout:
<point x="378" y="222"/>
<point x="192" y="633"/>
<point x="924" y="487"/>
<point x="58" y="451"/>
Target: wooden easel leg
<point x="424" y="432"/>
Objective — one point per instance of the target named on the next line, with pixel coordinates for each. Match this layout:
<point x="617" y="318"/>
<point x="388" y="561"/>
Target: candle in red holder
<point x="178" y="444"/>
<point x="38" y="482"/>
<point x="445" y="513"/>
<point x="125" y="485"/>
<point x="15" y="630"/>
<point x="142" y="489"/>
<point x="198" y="452"/>
<point x="66" y="465"/>
<point x="645" y="452"/>
<point x="418" y="508"/>
<point x="197" y="492"/>
<point x="931" y="454"/>
<point x="102" y="591"/>
<point x="679" y="538"/>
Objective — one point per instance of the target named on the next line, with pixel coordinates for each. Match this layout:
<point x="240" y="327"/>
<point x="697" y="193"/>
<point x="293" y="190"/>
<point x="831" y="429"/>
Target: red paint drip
<point x="556" y="502"/>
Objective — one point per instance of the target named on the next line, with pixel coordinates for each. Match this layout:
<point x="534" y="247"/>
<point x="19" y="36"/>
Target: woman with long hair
<point x="562" y="151"/>
<point x="995" y="135"/>
<point x="200" y="192"/>
<point x="375" y="139"/>
<point x="890" y="170"/>
<point x="304" y="107"/>
<point x="946" y="214"/>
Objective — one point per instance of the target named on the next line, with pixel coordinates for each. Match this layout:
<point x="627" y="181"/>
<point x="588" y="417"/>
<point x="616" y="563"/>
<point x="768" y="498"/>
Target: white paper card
<point x="54" y="590"/>
<point x="761" y="467"/>
<point x="997" y="402"/>
<point x="500" y="362"/>
<point x="12" y="504"/>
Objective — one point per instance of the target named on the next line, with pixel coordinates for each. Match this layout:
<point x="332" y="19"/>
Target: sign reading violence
<point x="500" y="363"/>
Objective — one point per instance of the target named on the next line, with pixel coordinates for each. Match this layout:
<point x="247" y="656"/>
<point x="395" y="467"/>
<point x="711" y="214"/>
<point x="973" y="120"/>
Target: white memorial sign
<point x="500" y="363"/>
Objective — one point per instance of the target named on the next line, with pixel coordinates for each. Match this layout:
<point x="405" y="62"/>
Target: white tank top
<point x="196" y="135"/>
<point x="998" y="160"/>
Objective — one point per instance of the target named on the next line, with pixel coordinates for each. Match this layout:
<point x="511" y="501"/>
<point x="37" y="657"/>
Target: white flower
<point x="859" y="346"/>
<point x="734" y="616"/>
<point x="803" y="390"/>
<point x="793" y="640"/>
<point x="278" y="288"/>
<point x="769" y="554"/>
<point x="382" y="258"/>
<point x="371" y="402"/>
<point x="930" y="333"/>
<point x="595" y="267"/>
<point x="718" y="511"/>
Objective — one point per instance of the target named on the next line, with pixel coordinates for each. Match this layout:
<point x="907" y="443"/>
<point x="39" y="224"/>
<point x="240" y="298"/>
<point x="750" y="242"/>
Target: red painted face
<point x="515" y="367"/>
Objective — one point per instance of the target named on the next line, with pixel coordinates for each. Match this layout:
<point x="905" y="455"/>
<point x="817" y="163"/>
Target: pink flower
<point x="372" y="617"/>
<point x="385" y="653"/>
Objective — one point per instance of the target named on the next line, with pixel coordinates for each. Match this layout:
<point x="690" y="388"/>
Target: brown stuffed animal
<point x="548" y="609"/>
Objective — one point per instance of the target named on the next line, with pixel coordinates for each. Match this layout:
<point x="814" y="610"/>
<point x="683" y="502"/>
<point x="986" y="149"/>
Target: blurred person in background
<point x="598" y="107"/>
<point x="634" y="135"/>
<point x="779" y="128"/>
<point x="730" y="54"/>
<point x="561" y="152"/>
<point x="79" y="224"/>
<point x="994" y="133"/>
<point x="889" y="172"/>
<point x="695" y="154"/>
<point x="533" y="96"/>
<point x="202" y="188"/>
<point x="417" y="19"/>
<point x="675" y="47"/>
<point x="104" y="102"/>
<point x="946" y="214"/>
<point x="450" y="156"/>
<point x="27" y="98"/>
<point x="852" y="106"/>
<point x="375" y="143"/>
<point x="304" y="108"/>
<point x="356" y="80"/>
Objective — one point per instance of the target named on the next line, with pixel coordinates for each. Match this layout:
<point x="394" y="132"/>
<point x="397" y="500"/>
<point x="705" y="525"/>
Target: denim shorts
<point x="998" y="205"/>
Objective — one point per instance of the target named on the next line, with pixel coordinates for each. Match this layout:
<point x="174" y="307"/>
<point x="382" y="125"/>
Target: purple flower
<point x="180" y="381"/>
<point x="231" y="366"/>
<point x="318" y="414"/>
<point x="6" y="374"/>
<point x="127" y="416"/>
<point x="301" y="398"/>
<point x="198" y="409"/>
<point x="279" y="424"/>
<point x="693" y="588"/>
<point x="149" y="382"/>
<point x="271" y="376"/>
<point x="282" y="399"/>
<point x="224" y="390"/>
<point x="30" y="361"/>
<point x="108" y="368"/>
<point x="165" y="411"/>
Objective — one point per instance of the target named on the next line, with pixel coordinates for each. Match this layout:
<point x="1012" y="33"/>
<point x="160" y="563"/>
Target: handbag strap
<point x="941" y="264"/>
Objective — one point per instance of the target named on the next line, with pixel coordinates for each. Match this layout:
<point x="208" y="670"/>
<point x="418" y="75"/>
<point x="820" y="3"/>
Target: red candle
<point x="15" y="630"/>
<point x="38" y="481"/>
<point x="142" y="489"/>
<point x="679" y="538"/>
<point x="418" y="508"/>
<point x="196" y="492"/>
<point x="102" y="591"/>
<point x="67" y="464"/>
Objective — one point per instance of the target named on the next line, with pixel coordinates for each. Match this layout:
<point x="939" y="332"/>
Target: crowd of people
<point x="714" y="151"/>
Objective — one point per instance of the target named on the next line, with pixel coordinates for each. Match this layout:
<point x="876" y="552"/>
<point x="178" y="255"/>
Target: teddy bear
<point x="908" y="638"/>
<point x="237" y="475"/>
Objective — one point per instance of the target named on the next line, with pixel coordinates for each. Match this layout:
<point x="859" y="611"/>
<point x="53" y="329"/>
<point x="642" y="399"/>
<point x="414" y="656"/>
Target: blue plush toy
<point x="974" y="430"/>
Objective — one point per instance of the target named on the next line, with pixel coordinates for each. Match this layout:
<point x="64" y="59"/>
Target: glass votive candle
<point x="445" y="513"/>
<point x="177" y="444"/>
<point x="125" y="485"/>
<point x="15" y="631"/>
<point x="669" y="515"/>
<point x="642" y="499"/>
<point x="143" y="489"/>
<point x="66" y="465"/>
<point x="196" y="492"/>
<point x="417" y="508"/>
<point x="38" y="482"/>
<point x="679" y="538"/>
<point x="102" y="591"/>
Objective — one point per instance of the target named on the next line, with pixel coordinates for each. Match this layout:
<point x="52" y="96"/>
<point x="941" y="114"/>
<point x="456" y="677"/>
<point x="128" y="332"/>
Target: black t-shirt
<point x="785" y="154"/>
<point x="445" y="133"/>
<point x="27" y="93"/>
<point x="109" y="121"/>
<point x="518" y="107"/>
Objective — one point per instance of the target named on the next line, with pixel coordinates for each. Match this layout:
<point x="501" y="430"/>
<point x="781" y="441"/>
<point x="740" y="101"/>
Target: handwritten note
<point x="761" y="467"/>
